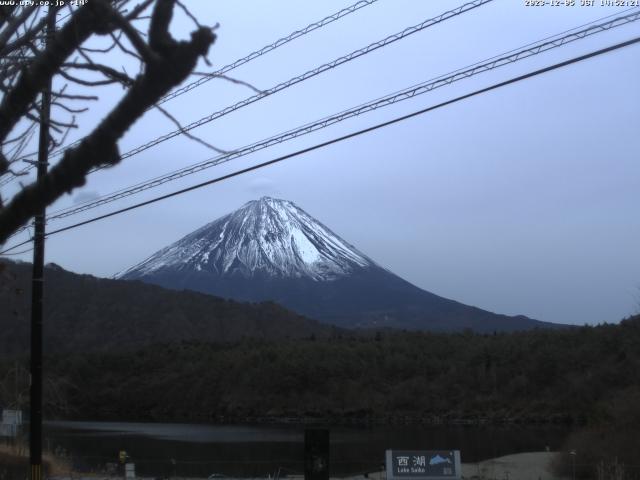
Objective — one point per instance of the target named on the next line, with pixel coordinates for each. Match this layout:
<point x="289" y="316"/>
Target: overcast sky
<point x="523" y="200"/>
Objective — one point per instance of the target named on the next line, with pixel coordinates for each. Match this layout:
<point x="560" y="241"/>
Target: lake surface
<point x="169" y="449"/>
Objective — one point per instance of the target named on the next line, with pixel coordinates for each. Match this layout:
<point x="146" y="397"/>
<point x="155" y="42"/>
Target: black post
<point x="316" y="454"/>
<point x="37" y="287"/>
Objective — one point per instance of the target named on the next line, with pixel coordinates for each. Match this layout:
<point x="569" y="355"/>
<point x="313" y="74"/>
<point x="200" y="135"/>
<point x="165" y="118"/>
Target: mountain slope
<point x="270" y="249"/>
<point x="268" y="237"/>
<point x="85" y="313"/>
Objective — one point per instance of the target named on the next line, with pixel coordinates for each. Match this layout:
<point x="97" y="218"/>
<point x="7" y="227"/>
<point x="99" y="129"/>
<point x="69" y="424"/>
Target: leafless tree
<point x="30" y="57"/>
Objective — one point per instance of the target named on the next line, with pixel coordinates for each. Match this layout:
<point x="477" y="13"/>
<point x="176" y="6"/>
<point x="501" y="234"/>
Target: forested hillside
<point x="540" y="376"/>
<point x="83" y="313"/>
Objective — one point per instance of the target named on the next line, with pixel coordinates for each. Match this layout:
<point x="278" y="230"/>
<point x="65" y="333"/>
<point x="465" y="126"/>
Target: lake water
<point x="199" y="450"/>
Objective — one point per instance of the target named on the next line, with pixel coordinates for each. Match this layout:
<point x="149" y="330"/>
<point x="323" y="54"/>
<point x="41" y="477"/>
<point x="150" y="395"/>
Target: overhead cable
<point x="408" y="93"/>
<point x="307" y="75"/>
<point x="272" y="46"/>
<point x="241" y="61"/>
<point x="378" y="126"/>
<point x="300" y="78"/>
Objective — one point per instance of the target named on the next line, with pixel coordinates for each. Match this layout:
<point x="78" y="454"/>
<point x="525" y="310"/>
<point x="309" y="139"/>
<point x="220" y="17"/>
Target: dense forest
<point x="575" y="376"/>
<point x="588" y="377"/>
<point x="221" y="361"/>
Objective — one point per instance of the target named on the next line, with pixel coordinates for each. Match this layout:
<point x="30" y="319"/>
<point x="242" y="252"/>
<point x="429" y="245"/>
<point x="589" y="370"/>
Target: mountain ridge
<point x="85" y="313"/>
<point x="271" y="249"/>
<point x="269" y="236"/>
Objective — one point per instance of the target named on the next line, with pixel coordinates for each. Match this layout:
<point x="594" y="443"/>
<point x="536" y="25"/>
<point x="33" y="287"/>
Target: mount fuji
<point x="270" y="249"/>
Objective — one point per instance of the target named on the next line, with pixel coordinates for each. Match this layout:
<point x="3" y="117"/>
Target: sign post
<point x="129" y="471"/>
<point x="423" y="465"/>
<point x="11" y="422"/>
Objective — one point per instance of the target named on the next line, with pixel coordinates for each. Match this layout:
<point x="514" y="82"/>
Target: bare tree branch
<point x="105" y="70"/>
<point x="68" y="108"/>
<point x="86" y="83"/>
<point x="29" y="36"/>
<point x="188" y="13"/>
<point x="233" y="80"/>
<point x="187" y="134"/>
<point x="118" y="42"/>
<point x="15" y="23"/>
<point x="147" y="54"/>
<point x="82" y="24"/>
<point x="170" y="64"/>
<point x="134" y="15"/>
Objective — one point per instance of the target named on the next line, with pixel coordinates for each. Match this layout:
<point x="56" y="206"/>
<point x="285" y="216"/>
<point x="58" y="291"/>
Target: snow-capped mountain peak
<point x="266" y="237"/>
<point x="272" y="250"/>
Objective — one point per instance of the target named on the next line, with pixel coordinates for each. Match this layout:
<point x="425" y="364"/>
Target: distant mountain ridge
<point x="83" y="313"/>
<point x="271" y="249"/>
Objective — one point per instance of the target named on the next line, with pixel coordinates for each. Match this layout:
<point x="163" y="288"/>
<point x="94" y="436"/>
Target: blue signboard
<point x="423" y="464"/>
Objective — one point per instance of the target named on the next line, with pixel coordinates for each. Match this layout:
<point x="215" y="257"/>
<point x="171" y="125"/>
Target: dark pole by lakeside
<point x="37" y="286"/>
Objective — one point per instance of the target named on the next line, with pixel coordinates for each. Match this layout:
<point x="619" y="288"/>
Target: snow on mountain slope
<point x="271" y="250"/>
<point x="265" y="237"/>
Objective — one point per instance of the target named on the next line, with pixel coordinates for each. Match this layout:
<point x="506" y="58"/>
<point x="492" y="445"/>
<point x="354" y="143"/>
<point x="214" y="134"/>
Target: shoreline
<point x="560" y="420"/>
<point x="519" y="466"/>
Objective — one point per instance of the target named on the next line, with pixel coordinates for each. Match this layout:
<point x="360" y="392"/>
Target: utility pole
<point x="37" y="282"/>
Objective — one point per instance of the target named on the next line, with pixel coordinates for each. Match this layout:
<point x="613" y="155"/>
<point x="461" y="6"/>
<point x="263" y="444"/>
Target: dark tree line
<point x="585" y="377"/>
<point x="577" y="376"/>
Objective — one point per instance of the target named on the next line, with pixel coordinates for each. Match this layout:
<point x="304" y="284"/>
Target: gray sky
<point x="520" y="201"/>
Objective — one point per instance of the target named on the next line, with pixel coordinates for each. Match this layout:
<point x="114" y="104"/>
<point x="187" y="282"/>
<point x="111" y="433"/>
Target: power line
<point x="19" y="253"/>
<point x="307" y="75"/>
<point x="255" y="54"/>
<point x="272" y="46"/>
<point x="425" y="87"/>
<point x="465" y="72"/>
<point x="345" y="137"/>
<point x="241" y="61"/>
<point x="602" y="27"/>
<point x="300" y="78"/>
